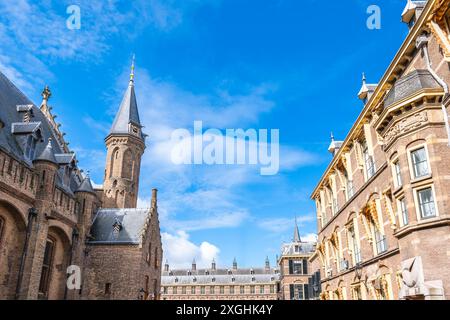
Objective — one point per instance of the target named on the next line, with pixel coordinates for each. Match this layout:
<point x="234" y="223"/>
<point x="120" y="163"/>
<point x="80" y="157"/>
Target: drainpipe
<point x="32" y="214"/>
<point x="422" y="43"/>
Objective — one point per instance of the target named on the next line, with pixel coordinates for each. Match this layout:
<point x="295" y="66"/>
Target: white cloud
<point x="180" y="251"/>
<point x="284" y="225"/>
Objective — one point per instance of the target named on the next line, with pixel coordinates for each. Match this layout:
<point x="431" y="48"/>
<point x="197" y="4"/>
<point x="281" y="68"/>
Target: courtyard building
<point x="383" y="202"/>
<point x="220" y="283"/>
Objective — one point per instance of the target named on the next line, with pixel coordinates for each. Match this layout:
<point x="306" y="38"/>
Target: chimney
<point x="194" y="265"/>
<point x="213" y="265"/>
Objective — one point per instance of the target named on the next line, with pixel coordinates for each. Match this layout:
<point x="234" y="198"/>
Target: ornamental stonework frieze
<point x="404" y="126"/>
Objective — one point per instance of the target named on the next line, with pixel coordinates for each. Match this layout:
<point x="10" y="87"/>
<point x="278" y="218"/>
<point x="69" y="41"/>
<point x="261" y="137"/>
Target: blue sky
<point x="283" y="64"/>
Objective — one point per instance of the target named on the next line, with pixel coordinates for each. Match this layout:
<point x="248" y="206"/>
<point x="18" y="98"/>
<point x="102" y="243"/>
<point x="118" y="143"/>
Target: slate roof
<point x="128" y="112"/>
<point x="12" y="118"/>
<point x="86" y="186"/>
<point x="220" y="276"/>
<point x="409" y="84"/>
<point x="132" y="223"/>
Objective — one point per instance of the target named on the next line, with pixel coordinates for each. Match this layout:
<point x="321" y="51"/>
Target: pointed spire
<point x="86" y="185"/>
<point x="296" y="232"/>
<point x="128" y="111"/>
<point x="234" y="264"/>
<point x="47" y="154"/>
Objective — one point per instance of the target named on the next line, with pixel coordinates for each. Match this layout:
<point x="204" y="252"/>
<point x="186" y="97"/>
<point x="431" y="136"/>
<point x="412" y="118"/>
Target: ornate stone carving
<point x="406" y="125"/>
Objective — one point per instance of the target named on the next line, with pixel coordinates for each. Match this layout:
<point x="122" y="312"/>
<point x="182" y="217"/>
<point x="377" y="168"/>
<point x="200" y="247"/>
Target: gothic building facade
<point x="383" y="202"/>
<point x="59" y="237"/>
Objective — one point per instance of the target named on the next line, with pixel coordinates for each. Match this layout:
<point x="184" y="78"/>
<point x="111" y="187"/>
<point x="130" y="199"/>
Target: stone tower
<point x="125" y="145"/>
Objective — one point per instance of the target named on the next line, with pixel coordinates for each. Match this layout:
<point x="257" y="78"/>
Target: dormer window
<point x="176" y="280"/>
<point x="213" y="279"/>
<point x="189" y="273"/>
<point x="229" y="272"/>
<point x="252" y="271"/>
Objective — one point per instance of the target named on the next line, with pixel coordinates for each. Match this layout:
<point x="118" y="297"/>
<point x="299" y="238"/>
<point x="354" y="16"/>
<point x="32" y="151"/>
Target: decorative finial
<point x="132" y="69"/>
<point x="332" y="139"/>
<point x="46" y="93"/>
<point x="88" y="174"/>
<point x="364" y="78"/>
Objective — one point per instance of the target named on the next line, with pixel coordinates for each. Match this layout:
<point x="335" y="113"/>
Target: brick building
<point x="383" y="202"/>
<point x="219" y="283"/>
<point x="51" y="217"/>
<point x="295" y="272"/>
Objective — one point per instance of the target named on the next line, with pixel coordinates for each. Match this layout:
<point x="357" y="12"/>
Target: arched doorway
<point x="12" y="241"/>
<point x="56" y="259"/>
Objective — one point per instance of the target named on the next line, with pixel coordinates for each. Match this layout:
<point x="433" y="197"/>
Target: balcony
<point x="344" y="265"/>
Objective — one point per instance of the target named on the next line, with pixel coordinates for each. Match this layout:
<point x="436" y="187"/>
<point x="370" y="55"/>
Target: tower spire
<point x="296" y="232"/>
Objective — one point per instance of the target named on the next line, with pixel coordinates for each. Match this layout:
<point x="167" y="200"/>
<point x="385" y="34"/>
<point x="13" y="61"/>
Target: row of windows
<point x="219" y="289"/>
<point x="419" y="168"/>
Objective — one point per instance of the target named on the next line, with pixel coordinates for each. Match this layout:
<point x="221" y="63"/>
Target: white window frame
<point x="401" y="212"/>
<point x="416" y="202"/>
<point x="398" y="178"/>
<point x="411" y="164"/>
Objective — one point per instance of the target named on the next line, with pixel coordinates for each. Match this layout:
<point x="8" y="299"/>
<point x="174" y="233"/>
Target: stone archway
<point x="56" y="259"/>
<point x="12" y="241"/>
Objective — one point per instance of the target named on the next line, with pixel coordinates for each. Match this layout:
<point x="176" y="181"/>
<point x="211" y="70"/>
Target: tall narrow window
<point x="420" y="163"/>
<point x="46" y="268"/>
<point x="242" y="290"/>
<point x="156" y="259"/>
<point x="426" y="203"/>
<point x="354" y="243"/>
<point x="192" y="290"/>
<point x="183" y="290"/>
<point x="404" y="211"/>
<point x="232" y="290"/>
<point x="368" y="161"/>
<point x="398" y="175"/>
<point x="2" y="226"/>
<point x="146" y="291"/>
<point x="380" y="241"/>
<point x="107" y="288"/>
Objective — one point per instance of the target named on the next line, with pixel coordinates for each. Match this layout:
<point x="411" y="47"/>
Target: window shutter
<point x="305" y="266"/>
<point x="291" y="267"/>
<point x="291" y="289"/>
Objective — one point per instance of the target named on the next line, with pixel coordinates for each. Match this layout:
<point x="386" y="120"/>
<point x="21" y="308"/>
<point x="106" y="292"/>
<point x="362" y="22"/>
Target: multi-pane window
<point x="368" y="162"/>
<point x="231" y="290"/>
<point x="356" y="251"/>
<point x="252" y="289"/>
<point x="426" y="203"/>
<point x="192" y="290"/>
<point x="261" y="289"/>
<point x="350" y="189"/>
<point x="46" y="268"/>
<point x="272" y="289"/>
<point x="420" y="163"/>
<point x="404" y="211"/>
<point x="299" y="292"/>
<point x="165" y="290"/>
<point x="242" y="289"/>
<point x="183" y="290"/>
<point x="212" y="290"/>
<point x="380" y="241"/>
<point x="298" y="266"/>
<point x="222" y="290"/>
<point x="335" y="206"/>
<point x="174" y="290"/>
<point x="202" y="290"/>
<point x="398" y="174"/>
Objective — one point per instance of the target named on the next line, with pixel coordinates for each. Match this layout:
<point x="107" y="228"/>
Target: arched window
<point x="114" y="157"/>
<point x="127" y="164"/>
<point x="156" y="258"/>
<point x="47" y="268"/>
